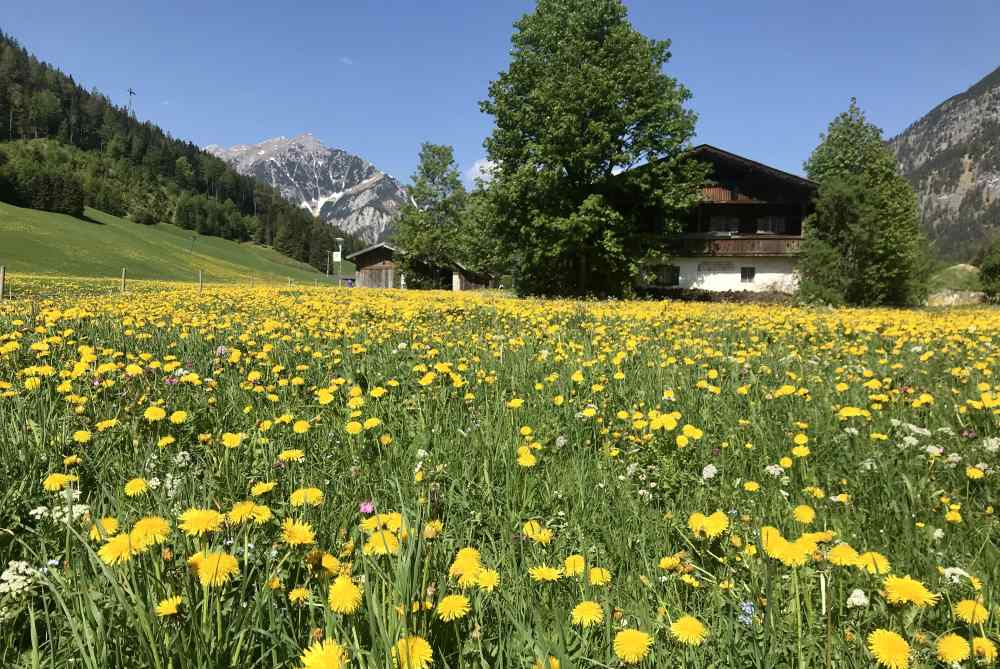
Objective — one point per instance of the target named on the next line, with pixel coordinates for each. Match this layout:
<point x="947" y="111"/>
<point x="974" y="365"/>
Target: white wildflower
<point x="858" y="599"/>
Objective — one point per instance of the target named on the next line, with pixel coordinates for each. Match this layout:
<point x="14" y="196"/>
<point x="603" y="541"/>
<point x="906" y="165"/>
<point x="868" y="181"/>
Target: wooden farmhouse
<point x="745" y="233"/>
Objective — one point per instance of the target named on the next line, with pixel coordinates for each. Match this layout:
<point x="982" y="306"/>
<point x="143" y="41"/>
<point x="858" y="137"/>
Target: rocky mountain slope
<point x="335" y="186"/>
<point x="951" y="156"/>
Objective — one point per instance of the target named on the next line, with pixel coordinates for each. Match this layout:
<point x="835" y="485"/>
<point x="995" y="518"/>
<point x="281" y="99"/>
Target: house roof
<point x="722" y="154"/>
<point x="394" y="249"/>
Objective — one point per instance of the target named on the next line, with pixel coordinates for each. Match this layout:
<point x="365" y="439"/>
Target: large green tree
<point x="864" y="242"/>
<point x="585" y="99"/>
<point x="989" y="272"/>
<point x="429" y="228"/>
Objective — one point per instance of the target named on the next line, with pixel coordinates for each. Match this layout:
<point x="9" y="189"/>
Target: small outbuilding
<point x="378" y="267"/>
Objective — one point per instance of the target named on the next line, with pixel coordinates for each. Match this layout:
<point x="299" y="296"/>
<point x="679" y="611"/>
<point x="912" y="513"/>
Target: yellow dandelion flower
<point x="599" y="576"/>
<point x="154" y="414"/>
<point x="136" y="487"/>
<point x="325" y="654"/>
<point x="984" y="650"/>
<point x="632" y="646"/>
<point x="241" y="512"/>
<point x="196" y="522"/>
<point x="488" y="579"/>
<point x="232" y="439"/>
<point x="804" y="514"/>
<point x="298" y="595"/>
<point x="117" y="550"/>
<point x="906" y="590"/>
<point x="453" y="607"/>
<point x="689" y="630"/>
<point x="297" y="533"/>
<point x="150" y="531"/>
<point x="56" y="482"/>
<point x="103" y="528"/>
<point x="970" y="611"/>
<point x="262" y="488"/>
<point x="382" y="542"/>
<point x="306" y="496"/>
<point x="169" y="606"/>
<point x="412" y="652"/>
<point x="344" y="596"/>
<point x="843" y="555"/>
<point x="952" y="648"/>
<point x="874" y="563"/>
<point x="544" y="573"/>
<point x="216" y="568"/>
<point x="889" y="649"/>
<point x="587" y="613"/>
<point x="574" y="565"/>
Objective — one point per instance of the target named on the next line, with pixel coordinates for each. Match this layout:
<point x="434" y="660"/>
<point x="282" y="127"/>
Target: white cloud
<point x="481" y="169"/>
<point x="346" y="61"/>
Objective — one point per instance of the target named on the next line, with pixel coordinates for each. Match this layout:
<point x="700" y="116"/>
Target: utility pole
<point x="340" y="251"/>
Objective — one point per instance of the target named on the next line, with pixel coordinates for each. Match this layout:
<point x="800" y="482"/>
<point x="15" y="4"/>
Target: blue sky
<point x="378" y="78"/>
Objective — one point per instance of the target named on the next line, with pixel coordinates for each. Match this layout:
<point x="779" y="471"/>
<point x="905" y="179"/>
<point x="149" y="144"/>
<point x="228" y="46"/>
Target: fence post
<point x="3" y="280"/>
<point x="199" y="282"/>
<point x="289" y="282"/>
<point x="123" y="279"/>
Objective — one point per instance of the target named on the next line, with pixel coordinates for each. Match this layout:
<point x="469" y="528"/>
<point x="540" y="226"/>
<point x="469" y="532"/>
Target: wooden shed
<point x="463" y="278"/>
<point x="377" y="267"/>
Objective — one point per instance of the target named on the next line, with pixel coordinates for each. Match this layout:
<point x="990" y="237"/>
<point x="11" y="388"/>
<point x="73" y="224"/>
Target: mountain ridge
<point x="335" y="186"/>
<point x="951" y="157"/>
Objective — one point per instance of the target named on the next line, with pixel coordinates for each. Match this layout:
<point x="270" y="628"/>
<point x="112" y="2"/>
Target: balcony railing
<point x="737" y="245"/>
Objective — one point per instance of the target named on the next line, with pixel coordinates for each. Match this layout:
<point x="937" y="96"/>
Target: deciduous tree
<point x="585" y="98"/>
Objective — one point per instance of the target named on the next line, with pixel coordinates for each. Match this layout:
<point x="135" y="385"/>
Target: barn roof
<point x="394" y="249"/>
<point x="714" y="152"/>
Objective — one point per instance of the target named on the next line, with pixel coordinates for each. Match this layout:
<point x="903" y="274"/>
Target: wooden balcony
<point x="737" y="245"/>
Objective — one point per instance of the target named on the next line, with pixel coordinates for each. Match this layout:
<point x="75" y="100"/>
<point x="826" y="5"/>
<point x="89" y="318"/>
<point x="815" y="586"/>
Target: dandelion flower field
<point x="347" y="478"/>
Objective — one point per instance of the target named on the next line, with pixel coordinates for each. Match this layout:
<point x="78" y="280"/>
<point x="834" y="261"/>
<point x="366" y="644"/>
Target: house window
<point x="724" y="224"/>
<point x="668" y="275"/>
<point x="747" y="274"/>
<point x="772" y="224"/>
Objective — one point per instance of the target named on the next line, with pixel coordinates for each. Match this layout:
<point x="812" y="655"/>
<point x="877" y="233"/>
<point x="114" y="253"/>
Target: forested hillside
<point x="63" y="147"/>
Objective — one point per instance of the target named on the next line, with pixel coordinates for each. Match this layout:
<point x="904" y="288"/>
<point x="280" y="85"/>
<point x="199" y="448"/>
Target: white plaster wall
<point x="723" y="273"/>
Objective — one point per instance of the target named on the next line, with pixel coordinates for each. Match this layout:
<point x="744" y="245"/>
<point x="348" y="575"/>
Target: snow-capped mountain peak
<point x="334" y="185"/>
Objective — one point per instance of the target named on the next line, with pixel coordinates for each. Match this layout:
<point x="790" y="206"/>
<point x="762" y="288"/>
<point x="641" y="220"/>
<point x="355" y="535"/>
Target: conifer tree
<point x="864" y="244"/>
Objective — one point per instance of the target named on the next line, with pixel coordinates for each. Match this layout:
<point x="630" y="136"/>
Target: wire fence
<point x="35" y="285"/>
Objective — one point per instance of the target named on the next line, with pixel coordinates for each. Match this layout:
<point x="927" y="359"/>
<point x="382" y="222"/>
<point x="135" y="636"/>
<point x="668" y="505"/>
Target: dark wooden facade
<point x="747" y="209"/>
<point x="377" y="267"/>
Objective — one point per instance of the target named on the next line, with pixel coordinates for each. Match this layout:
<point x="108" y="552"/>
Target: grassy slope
<point x="955" y="277"/>
<point x="38" y="242"/>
